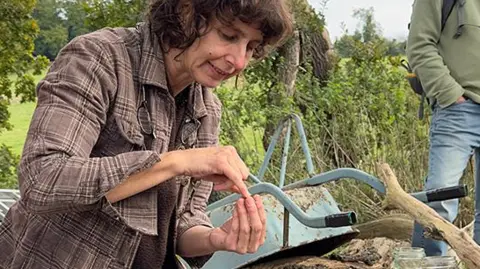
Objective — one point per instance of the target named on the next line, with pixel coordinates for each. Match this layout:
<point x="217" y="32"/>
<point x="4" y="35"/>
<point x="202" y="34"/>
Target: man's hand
<point x="245" y="231"/>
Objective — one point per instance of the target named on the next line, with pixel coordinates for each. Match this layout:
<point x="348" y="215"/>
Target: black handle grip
<point x="341" y="219"/>
<point x="447" y="193"/>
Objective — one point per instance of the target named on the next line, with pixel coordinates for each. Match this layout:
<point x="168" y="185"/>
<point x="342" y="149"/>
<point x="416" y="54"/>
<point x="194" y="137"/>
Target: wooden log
<point x="469" y="230"/>
<point x="308" y="262"/>
<point x="358" y="254"/>
<point x="397" y="227"/>
<point x="467" y="250"/>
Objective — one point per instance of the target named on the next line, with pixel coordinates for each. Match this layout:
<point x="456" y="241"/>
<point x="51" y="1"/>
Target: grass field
<point x="20" y="116"/>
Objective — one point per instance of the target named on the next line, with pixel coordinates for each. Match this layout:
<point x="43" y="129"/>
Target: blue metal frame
<point x="318" y="179"/>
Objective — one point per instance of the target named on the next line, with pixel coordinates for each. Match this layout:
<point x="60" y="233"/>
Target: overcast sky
<point x="392" y="15"/>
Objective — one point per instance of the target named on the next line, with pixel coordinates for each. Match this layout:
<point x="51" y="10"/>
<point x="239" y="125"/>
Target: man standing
<point x="446" y="59"/>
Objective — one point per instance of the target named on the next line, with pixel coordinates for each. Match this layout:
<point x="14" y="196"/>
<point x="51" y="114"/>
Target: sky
<point x="392" y="15"/>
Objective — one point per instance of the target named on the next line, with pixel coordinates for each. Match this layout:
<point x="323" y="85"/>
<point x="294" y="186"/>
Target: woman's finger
<point x="235" y="177"/>
<point x="244" y="231"/>
<point x="256" y="226"/>
<point x="222" y="183"/>
<point x="232" y="236"/>
<point x="263" y="217"/>
<point x="241" y="166"/>
<point x="235" y="162"/>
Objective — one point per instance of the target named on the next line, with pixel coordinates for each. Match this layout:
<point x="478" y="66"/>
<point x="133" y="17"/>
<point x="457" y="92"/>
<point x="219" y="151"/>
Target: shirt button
<point x="187" y="120"/>
<point x="185" y="181"/>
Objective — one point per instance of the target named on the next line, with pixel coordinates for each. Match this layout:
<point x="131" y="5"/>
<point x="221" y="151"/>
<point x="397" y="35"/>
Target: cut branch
<point x="467" y="250"/>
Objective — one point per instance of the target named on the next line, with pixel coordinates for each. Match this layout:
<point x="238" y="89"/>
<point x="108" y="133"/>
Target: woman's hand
<point x="245" y="231"/>
<point x="220" y="165"/>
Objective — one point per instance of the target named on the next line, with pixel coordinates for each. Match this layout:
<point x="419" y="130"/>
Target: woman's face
<point x="223" y="52"/>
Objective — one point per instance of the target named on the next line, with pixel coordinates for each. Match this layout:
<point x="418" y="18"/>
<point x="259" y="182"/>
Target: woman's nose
<point x="238" y="58"/>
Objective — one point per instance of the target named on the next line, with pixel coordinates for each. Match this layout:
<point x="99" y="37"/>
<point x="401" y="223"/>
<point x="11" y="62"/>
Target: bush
<point x="8" y="171"/>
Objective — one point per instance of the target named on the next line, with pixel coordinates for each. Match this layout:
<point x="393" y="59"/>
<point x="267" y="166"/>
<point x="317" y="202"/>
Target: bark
<point x="290" y="52"/>
<point x="358" y="254"/>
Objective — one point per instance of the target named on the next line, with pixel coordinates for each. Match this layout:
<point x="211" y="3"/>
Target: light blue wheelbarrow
<point x="317" y="226"/>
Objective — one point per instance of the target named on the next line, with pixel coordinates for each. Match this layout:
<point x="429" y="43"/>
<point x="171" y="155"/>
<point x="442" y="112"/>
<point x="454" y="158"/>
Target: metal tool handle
<point x="342" y="219"/>
<point x="442" y="194"/>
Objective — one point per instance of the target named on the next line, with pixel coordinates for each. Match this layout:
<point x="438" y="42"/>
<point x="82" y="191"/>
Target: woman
<point x="124" y="130"/>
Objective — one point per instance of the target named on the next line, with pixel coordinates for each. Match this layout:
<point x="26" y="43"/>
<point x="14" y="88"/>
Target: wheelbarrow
<point x="318" y="226"/>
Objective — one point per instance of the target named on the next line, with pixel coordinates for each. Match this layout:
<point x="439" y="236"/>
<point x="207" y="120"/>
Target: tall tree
<point x="53" y="34"/>
<point x="370" y="29"/>
<point x="76" y="15"/>
<point x="367" y="31"/>
<point x="16" y="66"/>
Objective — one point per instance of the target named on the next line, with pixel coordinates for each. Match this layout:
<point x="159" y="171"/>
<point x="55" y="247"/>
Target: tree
<point x="367" y="31"/>
<point x="16" y="61"/>
<point x="53" y="35"/>
<point x="370" y="30"/>
<point x="395" y="47"/>
<point x="113" y="13"/>
<point x="75" y="15"/>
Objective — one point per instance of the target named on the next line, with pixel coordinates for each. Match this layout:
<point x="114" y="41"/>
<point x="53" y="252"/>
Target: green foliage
<point x="16" y="47"/>
<point x="62" y="20"/>
<point x="395" y="47"/>
<point x="51" y="41"/>
<point x="75" y="16"/>
<point x="113" y="13"/>
<point x="369" y="31"/>
<point x="8" y="163"/>
<point x="53" y="34"/>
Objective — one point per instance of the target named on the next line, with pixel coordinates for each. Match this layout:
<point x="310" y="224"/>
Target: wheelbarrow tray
<point x="300" y="239"/>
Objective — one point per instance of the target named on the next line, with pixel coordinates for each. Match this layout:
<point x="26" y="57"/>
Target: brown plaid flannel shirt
<point x="84" y="139"/>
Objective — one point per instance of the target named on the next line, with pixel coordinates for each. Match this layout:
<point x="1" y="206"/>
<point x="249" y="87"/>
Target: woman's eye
<point x="228" y="37"/>
<point x="252" y="47"/>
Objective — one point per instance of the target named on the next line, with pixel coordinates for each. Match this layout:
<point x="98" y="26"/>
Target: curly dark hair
<point x="178" y="23"/>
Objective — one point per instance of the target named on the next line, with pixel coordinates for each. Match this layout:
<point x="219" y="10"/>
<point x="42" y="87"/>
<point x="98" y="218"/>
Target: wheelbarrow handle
<point x="336" y="220"/>
<point x="341" y="219"/>
<point x="442" y="194"/>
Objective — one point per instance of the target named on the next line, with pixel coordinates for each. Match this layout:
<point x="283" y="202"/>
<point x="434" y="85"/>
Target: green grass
<point x="20" y="116"/>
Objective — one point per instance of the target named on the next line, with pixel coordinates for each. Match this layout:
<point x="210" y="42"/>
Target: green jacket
<point x="448" y="68"/>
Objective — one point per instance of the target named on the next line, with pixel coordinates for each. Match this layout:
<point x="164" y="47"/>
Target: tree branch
<point x="467" y="250"/>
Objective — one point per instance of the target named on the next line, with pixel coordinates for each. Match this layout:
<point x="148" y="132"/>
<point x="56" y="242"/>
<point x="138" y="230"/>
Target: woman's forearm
<point x="196" y="242"/>
<point x="144" y="180"/>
